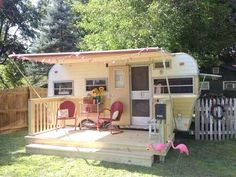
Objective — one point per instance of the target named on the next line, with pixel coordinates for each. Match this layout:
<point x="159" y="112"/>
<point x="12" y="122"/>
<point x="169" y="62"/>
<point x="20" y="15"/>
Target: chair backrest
<point x="117" y="106"/>
<point x="70" y="106"/>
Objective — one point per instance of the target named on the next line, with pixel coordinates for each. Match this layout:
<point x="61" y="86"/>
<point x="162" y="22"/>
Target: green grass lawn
<point x="206" y="159"/>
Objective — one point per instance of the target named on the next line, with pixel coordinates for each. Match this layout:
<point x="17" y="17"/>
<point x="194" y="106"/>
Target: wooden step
<point x="117" y="156"/>
<point x="87" y="144"/>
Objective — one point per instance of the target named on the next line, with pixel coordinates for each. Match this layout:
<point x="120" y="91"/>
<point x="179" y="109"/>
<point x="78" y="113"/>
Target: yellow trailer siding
<point x="78" y="73"/>
<point x="184" y="106"/>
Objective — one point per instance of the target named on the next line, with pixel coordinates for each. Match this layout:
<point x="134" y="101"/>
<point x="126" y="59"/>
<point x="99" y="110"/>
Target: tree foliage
<point x="10" y="76"/>
<point x="200" y="28"/>
<point x="204" y="29"/>
<point x="17" y="23"/>
<point x="208" y="29"/>
<point x="18" y="20"/>
<point x="57" y="31"/>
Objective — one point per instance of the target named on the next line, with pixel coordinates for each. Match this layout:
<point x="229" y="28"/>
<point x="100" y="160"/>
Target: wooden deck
<point x="127" y="147"/>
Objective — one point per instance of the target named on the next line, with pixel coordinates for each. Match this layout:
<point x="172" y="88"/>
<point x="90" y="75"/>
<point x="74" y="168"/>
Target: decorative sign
<point x="62" y="113"/>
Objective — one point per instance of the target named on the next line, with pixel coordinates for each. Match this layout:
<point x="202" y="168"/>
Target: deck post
<point x="31" y="118"/>
<point x="162" y="158"/>
<point x="162" y="131"/>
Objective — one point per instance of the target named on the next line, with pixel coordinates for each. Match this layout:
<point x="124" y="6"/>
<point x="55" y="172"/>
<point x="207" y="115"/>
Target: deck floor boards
<point x="137" y="137"/>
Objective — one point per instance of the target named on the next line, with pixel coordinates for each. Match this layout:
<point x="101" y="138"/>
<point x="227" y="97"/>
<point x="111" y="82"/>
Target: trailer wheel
<point x="215" y="114"/>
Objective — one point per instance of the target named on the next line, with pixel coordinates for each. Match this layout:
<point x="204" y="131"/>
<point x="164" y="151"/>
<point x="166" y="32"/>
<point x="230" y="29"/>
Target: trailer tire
<point x="213" y="111"/>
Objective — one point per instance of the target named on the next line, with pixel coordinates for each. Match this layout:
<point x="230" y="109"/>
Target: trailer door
<point x="140" y="96"/>
<point x="119" y="90"/>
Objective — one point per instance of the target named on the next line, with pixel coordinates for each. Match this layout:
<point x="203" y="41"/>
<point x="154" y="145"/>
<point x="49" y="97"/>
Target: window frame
<point x="122" y="76"/>
<point x="191" y="77"/>
<point x="64" y="81"/>
<point x="216" y="70"/>
<point x="162" y="67"/>
<point x="226" y="82"/>
<point x="96" y="86"/>
<point x="205" y="82"/>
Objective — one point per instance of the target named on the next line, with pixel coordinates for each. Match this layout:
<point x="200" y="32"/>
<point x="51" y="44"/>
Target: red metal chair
<point x="116" y="111"/>
<point x="66" y="111"/>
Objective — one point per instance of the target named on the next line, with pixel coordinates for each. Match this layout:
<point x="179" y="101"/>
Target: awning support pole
<point x="14" y="63"/>
<point x="200" y="88"/>
<point x="169" y="93"/>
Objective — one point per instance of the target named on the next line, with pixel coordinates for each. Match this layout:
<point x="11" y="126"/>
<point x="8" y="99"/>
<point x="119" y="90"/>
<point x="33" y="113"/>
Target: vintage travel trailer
<point x="140" y="78"/>
<point x="158" y="91"/>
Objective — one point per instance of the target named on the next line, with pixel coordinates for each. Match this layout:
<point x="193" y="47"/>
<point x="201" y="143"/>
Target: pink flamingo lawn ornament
<point x="156" y="147"/>
<point x="182" y="147"/>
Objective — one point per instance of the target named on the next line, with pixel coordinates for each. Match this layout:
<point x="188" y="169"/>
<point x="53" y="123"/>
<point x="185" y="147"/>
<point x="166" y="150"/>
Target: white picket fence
<point x="209" y="128"/>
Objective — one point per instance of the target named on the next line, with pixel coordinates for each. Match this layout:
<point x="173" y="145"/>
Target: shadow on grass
<point x="207" y="158"/>
<point x="169" y="168"/>
<point x="12" y="146"/>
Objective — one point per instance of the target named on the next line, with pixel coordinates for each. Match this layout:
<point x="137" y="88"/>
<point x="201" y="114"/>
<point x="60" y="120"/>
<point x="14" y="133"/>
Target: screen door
<point x="140" y="96"/>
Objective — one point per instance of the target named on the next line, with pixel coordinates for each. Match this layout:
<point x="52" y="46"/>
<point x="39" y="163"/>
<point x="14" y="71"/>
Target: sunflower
<point x="95" y="92"/>
<point x="101" y="90"/>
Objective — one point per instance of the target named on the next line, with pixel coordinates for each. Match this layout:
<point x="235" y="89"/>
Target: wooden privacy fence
<point x="14" y="107"/>
<point x="215" y="119"/>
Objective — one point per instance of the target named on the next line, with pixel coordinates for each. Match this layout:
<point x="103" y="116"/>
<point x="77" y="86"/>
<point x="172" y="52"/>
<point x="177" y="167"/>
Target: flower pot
<point x="97" y="99"/>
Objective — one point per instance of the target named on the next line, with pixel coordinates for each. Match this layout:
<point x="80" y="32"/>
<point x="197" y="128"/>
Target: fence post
<point x="202" y="119"/>
<point x="211" y="120"/>
<point x="197" y="120"/>
<point x="234" y="119"/>
<point x="207" y="112"/>
<point x="228" y="117"/>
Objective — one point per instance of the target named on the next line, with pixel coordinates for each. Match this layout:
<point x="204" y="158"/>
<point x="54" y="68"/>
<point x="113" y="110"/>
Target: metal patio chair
<point x="66" y="111"/>
<point x="116" y="111"/>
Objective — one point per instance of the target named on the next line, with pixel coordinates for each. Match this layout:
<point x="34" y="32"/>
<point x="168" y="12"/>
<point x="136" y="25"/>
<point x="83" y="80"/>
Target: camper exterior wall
<point x="181" y="66"/>
<point x="78" y="73"/>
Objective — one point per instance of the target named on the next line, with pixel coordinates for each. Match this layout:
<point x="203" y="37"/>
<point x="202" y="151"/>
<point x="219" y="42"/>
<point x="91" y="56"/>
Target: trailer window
<point x="63" y="88"/>
<point x="229" y="85"/>
<point x="205" y="85"/>
<point x="177" y="85"/>
<point x="95" y="83"/>
<point x="159" y="65"/>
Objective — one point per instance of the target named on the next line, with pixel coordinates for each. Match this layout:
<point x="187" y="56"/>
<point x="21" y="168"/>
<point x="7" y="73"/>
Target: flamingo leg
<point x="177" y="162"/>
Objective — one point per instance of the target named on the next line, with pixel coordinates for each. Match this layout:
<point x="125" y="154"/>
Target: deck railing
<point x="42" y="113"/>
